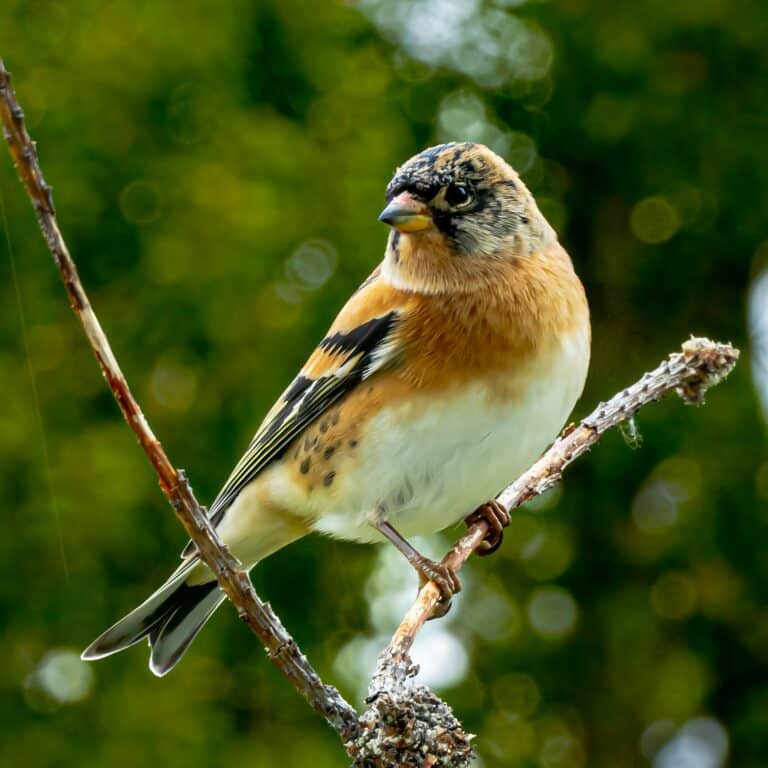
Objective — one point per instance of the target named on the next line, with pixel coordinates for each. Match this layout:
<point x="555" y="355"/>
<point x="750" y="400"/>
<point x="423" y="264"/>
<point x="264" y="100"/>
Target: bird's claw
<point x="497" y="518"/>
<point x="445" y="580"/>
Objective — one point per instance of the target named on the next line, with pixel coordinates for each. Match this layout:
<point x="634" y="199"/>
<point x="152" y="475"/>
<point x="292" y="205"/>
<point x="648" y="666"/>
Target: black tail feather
<point x="170" y="618"/>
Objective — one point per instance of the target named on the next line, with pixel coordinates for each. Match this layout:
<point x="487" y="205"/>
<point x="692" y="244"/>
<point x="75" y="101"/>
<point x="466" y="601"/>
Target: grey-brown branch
<point x="405" y="724"/>
<point x="700" y="364"/>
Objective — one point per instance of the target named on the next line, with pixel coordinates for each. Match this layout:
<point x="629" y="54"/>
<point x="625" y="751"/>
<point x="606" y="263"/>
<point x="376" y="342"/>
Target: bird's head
<point x="466" y="201"/>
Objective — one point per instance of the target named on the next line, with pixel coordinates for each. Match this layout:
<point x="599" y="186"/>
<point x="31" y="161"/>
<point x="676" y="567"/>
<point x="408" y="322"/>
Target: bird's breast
<point x="427" y="460"/>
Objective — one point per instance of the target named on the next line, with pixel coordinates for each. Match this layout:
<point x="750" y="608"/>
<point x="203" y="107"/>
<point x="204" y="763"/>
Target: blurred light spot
<point x="390" y="589"/>
<point x="490" y="45"/>
<point x="533" y="545"/>
<point x="174" y="385"/>
<point x="758" y="329"/>
<point x="510" y="742"/>
<point x="688" y="200"/>
<point x="61" y="676"/>
<point x="288" y="292"/>
<point x="701" y="743"/>
<point x="654" y="220"/>
<point x="464" y="117"/>
<point x="673" y="596"/>
<point x="552" y="612"/>
<point x="683" y="476"/>
<point x="521" y="151"/>
<point x="549" y="554"/>
<point x="356" y="660"/>
<point x="140" y="202"/>
<point x="655" y="736"/>
<point x="654" y="509"/>
<point x="719" y="590"/>
<point x="392" y="586"/>
<point x="311" y="264"/>
<point x="442" y="659"/>
<point x="516" y="695"/>
<point x="273" y="311"/>
<point x="523" y="529"/>
<point x="673" y="482"/>
<point x="681" y="680"/>
<point x="492" y="614"/>
<point x="609" y="118"/>
<point x="559" y="747"/>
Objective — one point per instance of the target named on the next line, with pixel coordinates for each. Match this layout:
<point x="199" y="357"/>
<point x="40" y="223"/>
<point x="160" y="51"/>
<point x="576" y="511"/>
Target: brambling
<point x="444" y="376"/>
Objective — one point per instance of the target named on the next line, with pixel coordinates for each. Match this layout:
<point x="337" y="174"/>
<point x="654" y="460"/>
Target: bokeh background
<point x="218" y="169"/>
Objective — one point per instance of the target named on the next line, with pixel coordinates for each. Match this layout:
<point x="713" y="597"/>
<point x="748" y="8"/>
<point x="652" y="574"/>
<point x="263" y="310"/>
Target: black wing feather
<point x="306" y="400"/>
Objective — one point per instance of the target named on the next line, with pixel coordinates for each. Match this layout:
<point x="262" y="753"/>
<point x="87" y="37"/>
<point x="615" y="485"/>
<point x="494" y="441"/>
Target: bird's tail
<point x="170" y="618"/>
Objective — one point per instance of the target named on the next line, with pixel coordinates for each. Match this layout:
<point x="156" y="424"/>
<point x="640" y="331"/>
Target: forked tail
<point x="170" y="618"/>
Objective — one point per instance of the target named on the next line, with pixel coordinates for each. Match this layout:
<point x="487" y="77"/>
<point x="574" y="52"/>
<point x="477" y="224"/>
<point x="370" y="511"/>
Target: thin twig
<point x="406" y="724"/>
<point x="700" y="364"/>
<point x="229" y="571"/>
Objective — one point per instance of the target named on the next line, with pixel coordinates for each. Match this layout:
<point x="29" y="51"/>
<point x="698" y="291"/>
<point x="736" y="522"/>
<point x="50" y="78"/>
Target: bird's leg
<point x="443" y="575"/>
<point x="497" y="518"/>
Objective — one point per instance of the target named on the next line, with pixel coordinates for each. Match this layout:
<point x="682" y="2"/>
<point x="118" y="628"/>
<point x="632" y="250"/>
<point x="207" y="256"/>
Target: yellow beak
<point x="406" y="214"/>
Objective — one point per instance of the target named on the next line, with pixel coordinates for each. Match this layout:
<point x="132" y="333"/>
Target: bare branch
<point x="700" y="364"/>
<point x="232" y="578"/>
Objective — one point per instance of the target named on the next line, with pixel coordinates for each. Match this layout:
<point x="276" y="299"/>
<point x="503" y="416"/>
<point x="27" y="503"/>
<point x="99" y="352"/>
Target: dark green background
<point x="218" y="169"/>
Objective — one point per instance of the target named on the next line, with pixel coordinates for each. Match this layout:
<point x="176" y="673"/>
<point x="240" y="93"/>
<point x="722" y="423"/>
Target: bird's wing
<point x="362" y="340"/>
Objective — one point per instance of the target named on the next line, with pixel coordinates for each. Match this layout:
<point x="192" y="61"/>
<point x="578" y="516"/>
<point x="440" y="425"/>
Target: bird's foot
<point x="445" y="580"/>
<point x="497" y="518"/>
<point x="442" y="575"/>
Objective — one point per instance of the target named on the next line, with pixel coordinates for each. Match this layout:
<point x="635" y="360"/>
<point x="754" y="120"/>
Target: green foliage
<point x="218" y="169"/>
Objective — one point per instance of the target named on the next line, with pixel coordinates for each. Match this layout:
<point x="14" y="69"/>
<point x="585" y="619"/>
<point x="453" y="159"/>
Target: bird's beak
<point x="406" y="214"/>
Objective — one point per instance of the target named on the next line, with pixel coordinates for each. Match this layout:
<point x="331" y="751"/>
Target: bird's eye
<point x="457" y="194"/>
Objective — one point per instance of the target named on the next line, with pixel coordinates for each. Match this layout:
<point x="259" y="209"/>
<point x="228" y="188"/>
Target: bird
<point x="445" y="375"/>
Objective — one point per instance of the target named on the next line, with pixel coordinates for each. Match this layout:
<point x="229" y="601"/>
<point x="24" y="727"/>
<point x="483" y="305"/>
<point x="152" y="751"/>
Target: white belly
<point x="426" y="464"/>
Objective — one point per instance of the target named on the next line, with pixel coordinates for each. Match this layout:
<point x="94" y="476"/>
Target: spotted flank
<point x="342" y="360"/>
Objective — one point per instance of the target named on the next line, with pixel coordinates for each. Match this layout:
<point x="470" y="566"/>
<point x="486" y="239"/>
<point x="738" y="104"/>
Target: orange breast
<point x="520" y="311"/>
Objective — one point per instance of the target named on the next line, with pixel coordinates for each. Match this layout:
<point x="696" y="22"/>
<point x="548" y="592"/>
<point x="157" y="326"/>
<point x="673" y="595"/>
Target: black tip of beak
<point x="406" y="217"/>
<point x="396" y="211"/>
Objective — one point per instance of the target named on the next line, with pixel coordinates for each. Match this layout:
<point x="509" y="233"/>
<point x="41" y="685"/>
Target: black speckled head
<point x="475" y="199"/>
